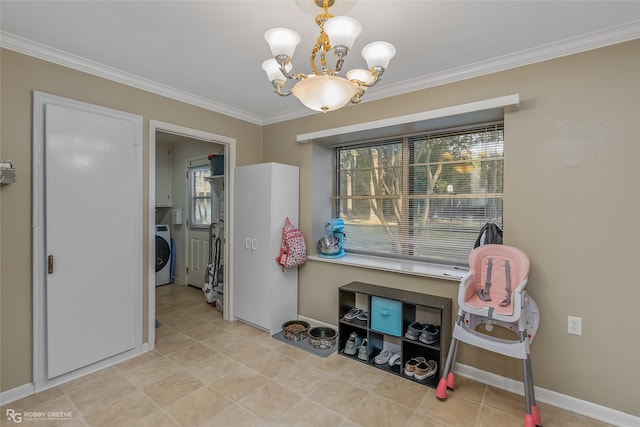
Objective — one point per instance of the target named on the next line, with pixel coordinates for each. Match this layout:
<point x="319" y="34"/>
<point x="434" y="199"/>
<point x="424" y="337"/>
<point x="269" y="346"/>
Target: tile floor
<point x="206" y="371"/>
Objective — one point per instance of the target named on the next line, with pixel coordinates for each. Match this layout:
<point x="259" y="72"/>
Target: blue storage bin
<point x="386" y="316"/>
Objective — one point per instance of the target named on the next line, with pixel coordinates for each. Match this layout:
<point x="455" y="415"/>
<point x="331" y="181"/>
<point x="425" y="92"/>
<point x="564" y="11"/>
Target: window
<point x="422" y="197"/>
<point x="199" y="196"/>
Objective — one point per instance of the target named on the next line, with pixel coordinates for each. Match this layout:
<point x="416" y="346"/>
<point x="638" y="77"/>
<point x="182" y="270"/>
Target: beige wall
<point x="20" y="75"/>
<point x="572" y="203"/>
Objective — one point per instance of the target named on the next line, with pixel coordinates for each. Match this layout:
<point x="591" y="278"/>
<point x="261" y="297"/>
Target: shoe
<point x="424" y="370"/>
<point x="363" y="316"/>
<point x="352" y="345"/>
<point x="430" y="334"/>
<point x="413" y="331"/>
<point x="353" y="313"/>
<point x="383" y="357"/>
<point x="410" y="367"/>
<point x="363" y="353"/>
<point x="395" y="359"/>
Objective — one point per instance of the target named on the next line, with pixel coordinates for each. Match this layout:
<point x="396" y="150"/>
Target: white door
<point x="198" y="254"/>
<point x="253" y="246"/>
<point x="200" y="210"/>
<point x="90" y="229"/>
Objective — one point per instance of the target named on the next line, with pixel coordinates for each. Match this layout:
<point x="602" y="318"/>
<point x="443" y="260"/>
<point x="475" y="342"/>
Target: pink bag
<point x="293" y="250"/>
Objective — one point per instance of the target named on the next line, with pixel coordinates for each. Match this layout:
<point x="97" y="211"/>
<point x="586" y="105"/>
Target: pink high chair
<point x="492" y="293"/>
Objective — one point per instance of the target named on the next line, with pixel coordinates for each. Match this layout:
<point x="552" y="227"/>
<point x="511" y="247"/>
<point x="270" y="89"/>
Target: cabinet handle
<point x="253" y="244"/>
<point x="246" y="243"/>
<point x="384" y="313"/>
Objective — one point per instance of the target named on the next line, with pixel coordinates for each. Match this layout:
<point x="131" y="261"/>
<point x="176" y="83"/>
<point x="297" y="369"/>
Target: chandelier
<point x="322" y="90"/>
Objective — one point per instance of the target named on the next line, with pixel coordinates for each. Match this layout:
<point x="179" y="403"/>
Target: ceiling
<point x="209" y="53"/>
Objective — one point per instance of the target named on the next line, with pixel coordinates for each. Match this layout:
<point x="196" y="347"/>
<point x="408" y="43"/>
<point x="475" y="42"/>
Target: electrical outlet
<point x="574" y="325"/>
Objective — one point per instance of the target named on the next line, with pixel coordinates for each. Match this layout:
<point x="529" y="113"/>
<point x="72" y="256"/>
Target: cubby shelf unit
<point x="424" y="308"/>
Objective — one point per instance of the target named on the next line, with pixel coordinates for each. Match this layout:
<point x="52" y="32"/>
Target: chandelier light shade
<point x="324" y="93"/>
<point x="378" y="54"/>
<point x="342" y="30"/>
<point x="282" y="41"/>
<point x="322" y="89"/>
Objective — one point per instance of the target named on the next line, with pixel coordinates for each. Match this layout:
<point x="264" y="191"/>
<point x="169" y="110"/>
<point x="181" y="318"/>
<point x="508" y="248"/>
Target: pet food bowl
<point x="322" y="337"/>
<point x="295" y="330"/>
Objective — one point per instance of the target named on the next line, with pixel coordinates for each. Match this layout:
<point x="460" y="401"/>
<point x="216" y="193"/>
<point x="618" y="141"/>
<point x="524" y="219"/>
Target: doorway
<point x="190" y="147"/>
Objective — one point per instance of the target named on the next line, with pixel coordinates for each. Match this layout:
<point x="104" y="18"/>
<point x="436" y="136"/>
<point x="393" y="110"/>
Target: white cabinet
<point x="163" y="176"/>
<point x="265" y="195"/>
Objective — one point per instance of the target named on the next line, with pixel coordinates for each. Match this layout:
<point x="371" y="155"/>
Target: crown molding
<point x="60" y="57"/>
<point x="570" y="46"/>
<point x="558" y="49"/>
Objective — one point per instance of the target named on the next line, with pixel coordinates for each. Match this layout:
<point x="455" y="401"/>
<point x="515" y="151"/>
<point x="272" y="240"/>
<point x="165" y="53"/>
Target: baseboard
<point x="17" y="393"/>
<point x="29" y="389"/>
<point x="582" y="407"/>
<point x="314" y="322"/>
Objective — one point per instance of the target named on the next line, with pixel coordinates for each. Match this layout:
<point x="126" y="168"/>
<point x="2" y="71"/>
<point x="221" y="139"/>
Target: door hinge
<point x="187" y="269"/>
<point x="50" y="264"/>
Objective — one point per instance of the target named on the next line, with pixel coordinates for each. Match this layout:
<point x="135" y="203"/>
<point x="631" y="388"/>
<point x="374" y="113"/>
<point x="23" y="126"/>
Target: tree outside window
<point x="422" y="196"/>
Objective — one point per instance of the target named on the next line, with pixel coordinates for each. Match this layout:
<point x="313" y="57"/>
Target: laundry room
<point x="189" y="210"/>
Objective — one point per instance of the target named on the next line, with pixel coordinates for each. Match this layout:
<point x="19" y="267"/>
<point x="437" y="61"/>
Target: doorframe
<point x="229" y="172"/>
<point x="39" y="365"/>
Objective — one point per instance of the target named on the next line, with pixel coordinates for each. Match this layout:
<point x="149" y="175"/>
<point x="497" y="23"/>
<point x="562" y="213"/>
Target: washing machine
<point x="163" y="255"/>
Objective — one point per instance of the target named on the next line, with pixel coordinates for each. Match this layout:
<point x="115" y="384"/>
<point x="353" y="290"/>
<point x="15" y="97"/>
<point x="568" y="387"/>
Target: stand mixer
<point x="330" y="245"/>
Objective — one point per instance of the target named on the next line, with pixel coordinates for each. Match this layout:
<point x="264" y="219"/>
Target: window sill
<point x="396" y="266"/>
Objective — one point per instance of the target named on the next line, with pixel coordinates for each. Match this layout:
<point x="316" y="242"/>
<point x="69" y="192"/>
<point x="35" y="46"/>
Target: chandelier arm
<point x="312" y="60"/>
<point x="286" y="73"/>
<point x="356" y="97"/>
<point x="323" y="61"/>
<point x="277" y="85"/>
<point x="377" y="72"/>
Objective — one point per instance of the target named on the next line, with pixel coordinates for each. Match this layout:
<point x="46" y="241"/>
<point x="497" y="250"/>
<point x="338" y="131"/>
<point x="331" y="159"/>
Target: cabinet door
<point x="252" y="246"/>
<point x="163" y="176"/>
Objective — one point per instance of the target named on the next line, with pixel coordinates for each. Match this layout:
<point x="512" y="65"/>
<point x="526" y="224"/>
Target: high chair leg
<point x="529" y="393"/>
<point x="447" y="379"/>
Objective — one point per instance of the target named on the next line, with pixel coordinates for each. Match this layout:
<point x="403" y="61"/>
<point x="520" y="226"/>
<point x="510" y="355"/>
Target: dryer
<point x="163" y="255"/>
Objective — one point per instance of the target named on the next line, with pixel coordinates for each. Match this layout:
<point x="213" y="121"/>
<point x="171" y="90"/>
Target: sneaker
<point x="383" y="357"/>
<point x="413" y="331"/>
<point x="363" y="316"/>
<point x="351" y="347"/>
<point x="353" y="313"/>
<point x="395" y="359"/>
<point x="430" y="334"/>
<point x="362" y="353"/>
<point x="425" y="369"/>
<point x="410" y="367"/>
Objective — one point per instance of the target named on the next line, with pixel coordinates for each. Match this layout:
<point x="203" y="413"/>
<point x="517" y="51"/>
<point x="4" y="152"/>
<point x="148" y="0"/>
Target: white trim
<point x="32" y="388"/>
<point x="229" y="168"/>
<point x="315" y="323"/>
<point x="393" y="265"/>
<point x="60" y="57"/>
<point x="17" y="393"/>
<point x="570" y="46"/>
<point x="563" y="401"/>
<point x="38" y="235"/>
<point x="471" y="107"/>
<point x="549" y="51"/>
